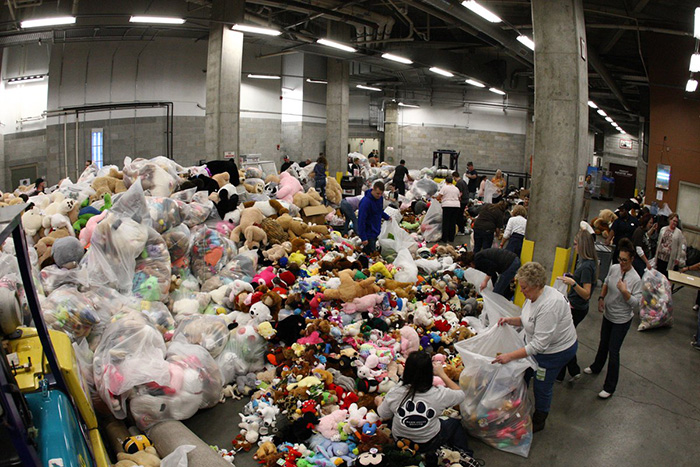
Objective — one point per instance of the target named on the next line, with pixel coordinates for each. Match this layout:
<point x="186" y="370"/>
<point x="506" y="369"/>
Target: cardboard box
<point x="316" y="214"/>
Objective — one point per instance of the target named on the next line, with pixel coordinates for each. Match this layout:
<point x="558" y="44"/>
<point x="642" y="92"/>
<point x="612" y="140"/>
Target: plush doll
<point x="349" y="289"/>
<point x="302" y="200"/>
<point x="271" y="208"/>
<point x="363" y="304"/>
<point x="288" y="187"/>
<point x="67" y="252"/>
<point x="146" y="458"/>
<point x="45" y="245"/>
<point x="227" y="165"/>
<point x="410" y="341"/>
<point x="227" y="201"/>
<point x="380" y="268"/>
<point x="249" y="217"/>
<point x="112" y="183"/>
<point x="294" y="228"/>
<point x="222" y="179"/>
<point x="334" y="193"/>
<point x="276" y="252"/>
<point x="603" y="222"/>
<point x="276" y="234"/>
<point x="255" y="237"/>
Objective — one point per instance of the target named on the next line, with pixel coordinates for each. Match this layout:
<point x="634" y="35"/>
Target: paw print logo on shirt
<point x="415" y="415"/>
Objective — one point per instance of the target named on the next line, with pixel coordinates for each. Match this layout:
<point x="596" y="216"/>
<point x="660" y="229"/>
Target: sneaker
<point x="588" y="370"/>
<point x="604" y="394"/>
<point x="696" y="307"/>
<point x="557" y="380"/>
<point x="575" y="378"/>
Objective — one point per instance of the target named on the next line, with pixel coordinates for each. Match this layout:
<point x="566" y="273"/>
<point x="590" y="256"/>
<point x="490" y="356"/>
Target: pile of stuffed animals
<point x="194" y="285"/>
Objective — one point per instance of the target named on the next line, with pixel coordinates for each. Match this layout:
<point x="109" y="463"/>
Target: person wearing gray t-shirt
<point x="620" y="297"/>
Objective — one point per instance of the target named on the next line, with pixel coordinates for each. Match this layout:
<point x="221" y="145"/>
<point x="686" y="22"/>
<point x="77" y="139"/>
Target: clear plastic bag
<point x="209" y="331"/>
<point x="490" y="189"/>
<point x="496" y="307"/>
<point x="194" y="383"/>
<point x="154" y="179"/>
<point x="152" y="272"/>
<point x="496" y="409"/>
<point x="392" y="238"/>
<point x="164" y="213"/>
<point x="210" y="252"/>
<point x="179" y="242"/>
<point x="159" y="315"/>
<point x="185" y="195"/>
<point x="249" y="349"/>
<point x="424" y="188"/>
<point x="405" y="267"/>
<point x="53" y="277"/>
<point x="69" y="311"/>
<point x="656" y="308"/>
<point x="132" y="352"/>
<point x="431" y="227"/>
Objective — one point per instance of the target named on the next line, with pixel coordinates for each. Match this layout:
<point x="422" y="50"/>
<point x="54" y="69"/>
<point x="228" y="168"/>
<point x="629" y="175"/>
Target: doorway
<point x="363" y="145"/>
<point x="625" y="180"/>
<point x="22" y="173"/>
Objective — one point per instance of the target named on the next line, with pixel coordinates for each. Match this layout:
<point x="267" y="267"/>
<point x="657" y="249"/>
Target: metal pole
<point x="65" y="145"/>
<point x="77" y="116"/>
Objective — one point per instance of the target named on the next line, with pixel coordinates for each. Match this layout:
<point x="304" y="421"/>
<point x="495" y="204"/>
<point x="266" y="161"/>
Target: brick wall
<point x="22" y="149"/>
<point x="261" y="136"/>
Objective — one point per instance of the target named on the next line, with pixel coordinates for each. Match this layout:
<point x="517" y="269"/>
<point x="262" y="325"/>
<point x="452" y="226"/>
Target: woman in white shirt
<point x="449" y="199"/>
<point x="549" y="333"/>
<point x="515" y="230"/>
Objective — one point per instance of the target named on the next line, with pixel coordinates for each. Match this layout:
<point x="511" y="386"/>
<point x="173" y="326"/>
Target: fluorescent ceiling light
<point x="592" y="105"/>
<point x="527" y="42"/>
<point x="497" y="91"/>
<point x="401" y="104"/>
<point x="474" y="82"/>
<point x="369" y="88"/>
<point x="26" y="79"/>
<point x="481" y="11"/>
<point x="55" y="21"/>
<point x="336" y="45"/>
<point x="396" y="58"/>
<point x="440" y="71"/>
<point x="156" y="19"/>
<point x="695" y="63"/>
<point x="602" y="113"/>
<point x="316" y="81"/>
<point x="697" y="23"/>
<point x="256" y="30"/>
<point x="608" y="119"/>
<point x="623" y="131"/>
<point x="263" y="76"/>
<point x="691" y="86"/>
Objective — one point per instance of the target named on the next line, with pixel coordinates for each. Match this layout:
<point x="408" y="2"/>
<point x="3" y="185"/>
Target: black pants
<point x="400" y="187"/>
<point x="611" y="337"/>
<point x="462" y="220"/>
<point x="662" y="267"/>
<point x="572" y="366"/>
<point x="452" y="435"/>
<point x="449" y="223"/>
<point x="483" y="239"/>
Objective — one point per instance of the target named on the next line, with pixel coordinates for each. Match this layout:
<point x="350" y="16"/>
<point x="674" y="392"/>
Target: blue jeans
<point x="349" y="214"/>
<point x="697" y="333"/>
<point x="611" y="337"/>
<point x="483" y="239"/>
<point x="515" y="243"/>
<point x="502" y="285"/>
<point x="452" y="435"/>
<point x="549" y="366"/>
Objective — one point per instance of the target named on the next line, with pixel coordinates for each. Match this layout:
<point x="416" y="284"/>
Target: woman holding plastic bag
<point x="550" y="336"/>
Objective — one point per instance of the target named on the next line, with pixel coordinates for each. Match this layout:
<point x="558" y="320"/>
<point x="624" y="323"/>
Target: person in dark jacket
<point x="320" y="177"/>
<point x="287" y="162"/>
<point x="227" y="165"/>
<point x="370" y="215"/>
<point x="499" y="266"/>
<point x="400" y="174"/>
<point x="487" y="224"/>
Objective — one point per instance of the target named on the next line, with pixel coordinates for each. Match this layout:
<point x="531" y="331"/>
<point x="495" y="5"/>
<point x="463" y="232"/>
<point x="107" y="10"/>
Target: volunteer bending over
<point x="549" y="333"/>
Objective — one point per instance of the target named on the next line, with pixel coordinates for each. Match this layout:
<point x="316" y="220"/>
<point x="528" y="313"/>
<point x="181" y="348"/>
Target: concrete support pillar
<point x="391" y="133"/>
<point x="337" y="115"/>
<point x="642" y="158"/>
<point x="224" y="63"/>
<point x="561" y="125"/>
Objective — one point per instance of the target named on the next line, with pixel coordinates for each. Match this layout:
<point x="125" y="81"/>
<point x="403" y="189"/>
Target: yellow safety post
<point x="338" y="177"/>
<point x="526" y="254"/>
<point x="561" y="262"/>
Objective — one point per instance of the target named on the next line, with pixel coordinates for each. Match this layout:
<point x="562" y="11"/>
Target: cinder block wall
<point x="22" y="149"/>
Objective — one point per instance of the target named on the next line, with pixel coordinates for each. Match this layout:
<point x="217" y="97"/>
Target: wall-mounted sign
<point x="626" y="143"/>
<point x="663" y="176"/>
<point x="229" y="154"/>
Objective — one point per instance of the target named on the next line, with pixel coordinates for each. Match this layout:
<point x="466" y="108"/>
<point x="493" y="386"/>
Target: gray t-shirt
<point x="417" y="418"/>
<point x="548" y="325"/>
<point x="584" y="274"/>
<point x="617" y="309"/>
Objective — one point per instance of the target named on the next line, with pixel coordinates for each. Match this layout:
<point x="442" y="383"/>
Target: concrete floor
<point x="652" y="420"/>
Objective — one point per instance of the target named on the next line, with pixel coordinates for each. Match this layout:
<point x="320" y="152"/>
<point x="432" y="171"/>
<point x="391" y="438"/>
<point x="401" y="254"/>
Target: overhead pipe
<point x="598" y="65"/>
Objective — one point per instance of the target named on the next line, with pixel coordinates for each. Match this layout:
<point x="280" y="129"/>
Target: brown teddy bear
<point x="44" y="246"/>
<point x="255" y="237"/>
<point x="146" y="458"/>
<point x="276" y="234"/>
<point x="349" y="289"/>
<point x="222" y="179"/>
<point x="273" y="301"/>
<point x="310" y="198"/>
<point x="334" y="193"/>
<point x="112" y="184"/>
<point x="249" y="217"/>
<point x="401" y="289"/>
<point x="277" y="252"/>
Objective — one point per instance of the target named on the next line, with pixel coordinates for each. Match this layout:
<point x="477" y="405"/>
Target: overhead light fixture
<point x="55" y="21"/>
<point x="336" y="45"/>
<point x="252" y="76"/>
<point x="156" y="19"/>
<point x="602" y="113"/>
<point x="691" y="86"/>
<point x="481" y="11"/>
<point x="396" y="58"/>
<point x="497" y="91"/>
<point x="608" y="119"/>
<point x="440" y="71"/>
<point x="26" y="79"/>
<point x="401" y="104"/>
<point x="697" y="23"/>
<point x="316" y="81"/>
<point x="592" y="105"/>
<point x="255" y="30"/>
<point x="368" y="88"/>
<point x="623" y="131"/>
<point x="695" y="63"/>
<point x="474" y="82"/>
<point x="527" y="42"/>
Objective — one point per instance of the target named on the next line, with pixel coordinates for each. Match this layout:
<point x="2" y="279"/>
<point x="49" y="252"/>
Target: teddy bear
<point x="67" y="252"/>
<point x="603" y="222"/>
<point x="226" y="200"/>
<point x="112" y="183"/>
<point x="255" y="237"/>
<point x="349" y="289"/>
<point x="363" y="304"/>
<point x="334" y="193"/>
<point x="146" y="458"/>
<point x="45" y="245"/>
<point x="310" y="198"/>
<point x="288" y="187"/>
<point x="222" y="179"/>
<point x="277" y="252"/>
<point x="293" y="227"/>
<point x="249" y="217"/>
<point x="273" y="301"/>
<point x="401" y="289"/>
<point x="276" y="234"/>
<point x="32" y="221"/>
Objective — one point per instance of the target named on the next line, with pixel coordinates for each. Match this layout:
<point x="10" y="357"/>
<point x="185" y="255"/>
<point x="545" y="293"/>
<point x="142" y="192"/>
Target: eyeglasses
<point x="624" y="260"/>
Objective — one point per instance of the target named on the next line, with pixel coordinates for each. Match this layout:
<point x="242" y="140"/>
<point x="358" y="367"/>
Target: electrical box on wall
<point x="663" y="176"/>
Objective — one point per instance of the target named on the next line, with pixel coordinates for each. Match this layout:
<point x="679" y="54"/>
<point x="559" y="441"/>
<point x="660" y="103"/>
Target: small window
<point x="97" y="147"/>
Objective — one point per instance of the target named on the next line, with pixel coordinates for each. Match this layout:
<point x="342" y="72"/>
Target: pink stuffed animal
<point x="439" y="358"/>
<point x="329" y="425"/>
<point x="360" y="304"/>
<point x="86" y="233"/>
<point x="410" y="341"/>
<point x="288" y="187"/>
<point x="312" y="339"/>
<point x="265" y="276"/>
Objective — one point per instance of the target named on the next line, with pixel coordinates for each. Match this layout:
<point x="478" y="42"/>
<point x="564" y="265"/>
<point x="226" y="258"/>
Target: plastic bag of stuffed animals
<point x="242" y="266"/>
<point x="118" y="240"/>
<point x="424" y="187"/>
<point x="496" y="409"/>
<point x="132" y="352"/>
<point x="431" y="227"/>
<point x="496" y="307"/>
<point x="152" y="272"/>
<point x="53" y="277"/>
<point x="70" y="311"/>
<point x="405" y="267"/>
<point x="656" y="307"/>
<point x="154" y="179"/>
<point x="209" y="331"/>
<point x="210" y="252"/>
<point x="164" y="213"/>
<point x="244" y="353"/>
<point x="179" y="242"/>
<point x="392" y="239"/>
<point x="159" y="315"/>
<point x="194" y="383"/>
<point x="109" y="305"/>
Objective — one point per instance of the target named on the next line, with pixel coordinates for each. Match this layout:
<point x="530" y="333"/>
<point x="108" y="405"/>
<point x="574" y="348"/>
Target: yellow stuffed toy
<point x="147" y="458"/>
<point x="380" y="268"/>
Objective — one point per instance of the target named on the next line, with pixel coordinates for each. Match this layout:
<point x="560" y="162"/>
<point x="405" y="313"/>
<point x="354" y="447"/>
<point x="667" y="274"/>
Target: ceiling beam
<point x="598" y="65"/>
<point x="641" y="4"/>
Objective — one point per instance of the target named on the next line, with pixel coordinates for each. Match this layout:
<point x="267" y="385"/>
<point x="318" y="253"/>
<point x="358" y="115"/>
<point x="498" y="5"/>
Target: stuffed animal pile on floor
<point x="196" y="285"/>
